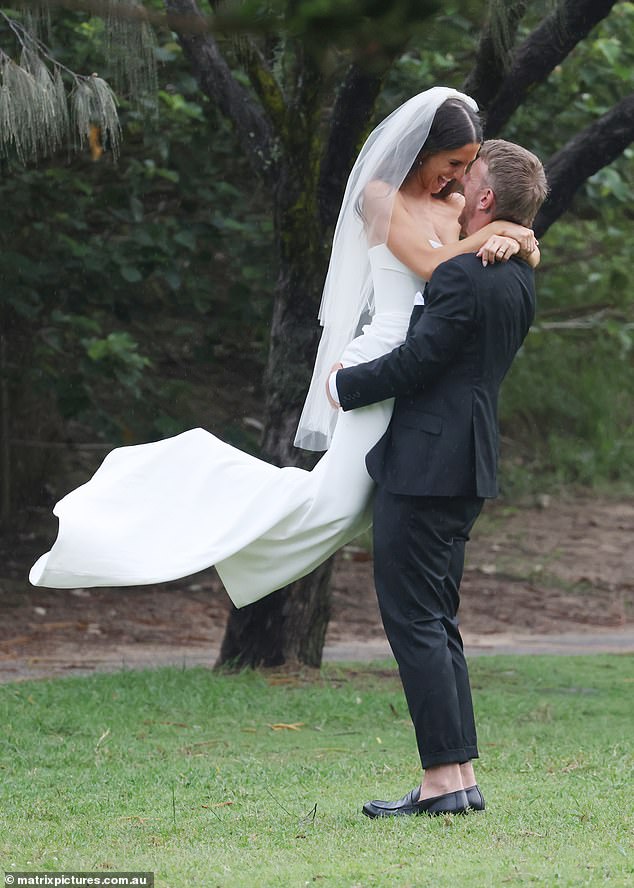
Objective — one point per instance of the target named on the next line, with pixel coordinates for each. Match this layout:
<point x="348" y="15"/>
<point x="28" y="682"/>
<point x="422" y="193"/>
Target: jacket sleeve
<point x="431" y="344"/>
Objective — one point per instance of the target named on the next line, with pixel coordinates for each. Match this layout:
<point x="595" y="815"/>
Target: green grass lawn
<point x="189" y="774"/>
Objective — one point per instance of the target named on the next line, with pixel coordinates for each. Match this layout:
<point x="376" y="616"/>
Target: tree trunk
<point x="5" y="439"/>
<point x="284" y="628"/>
<point x="290" y="625"/>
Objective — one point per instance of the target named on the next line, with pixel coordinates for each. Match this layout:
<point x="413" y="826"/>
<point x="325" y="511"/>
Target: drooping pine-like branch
<point x="586" y="153"/>
<point x="130" y="45"/>
<point x="43" y="103"/>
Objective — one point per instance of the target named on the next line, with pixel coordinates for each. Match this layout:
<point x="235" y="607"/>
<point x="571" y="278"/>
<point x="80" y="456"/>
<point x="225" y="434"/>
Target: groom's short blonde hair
<point x="517" y="178"/>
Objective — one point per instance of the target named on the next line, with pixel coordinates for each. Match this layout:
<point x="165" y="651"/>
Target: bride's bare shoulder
<point x="455" y="200"/>
<point x="377" y="192"/>
<point x="378" y="188"/>
<point x="378" y="200"/>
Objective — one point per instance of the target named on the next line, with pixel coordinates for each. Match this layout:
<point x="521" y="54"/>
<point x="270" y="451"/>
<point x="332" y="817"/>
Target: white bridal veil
<point x="387" y="155"/>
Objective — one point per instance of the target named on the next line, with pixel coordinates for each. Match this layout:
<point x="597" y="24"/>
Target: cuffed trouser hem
<point x="449" y="756"/>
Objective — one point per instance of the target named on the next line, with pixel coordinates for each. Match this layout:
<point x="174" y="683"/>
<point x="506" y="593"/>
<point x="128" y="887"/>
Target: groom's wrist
<point x="348" y="393"/>
<point x="332" y="387"/>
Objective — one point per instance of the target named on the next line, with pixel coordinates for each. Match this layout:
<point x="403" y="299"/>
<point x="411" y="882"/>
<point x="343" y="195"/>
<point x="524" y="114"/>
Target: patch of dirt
<point x="557" y="565"/>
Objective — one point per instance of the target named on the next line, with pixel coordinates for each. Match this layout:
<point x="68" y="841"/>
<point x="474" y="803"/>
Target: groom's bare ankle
<point x="441" y="779"/>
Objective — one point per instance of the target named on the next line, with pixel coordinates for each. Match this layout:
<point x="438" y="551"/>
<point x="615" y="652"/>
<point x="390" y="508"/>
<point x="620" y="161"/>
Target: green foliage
<point x="567" y="404"/>
<point x="569" y="399"/>
<point x="110" y="273"/>
<point x="183" y="773"/>
<point x="598" y="73"/>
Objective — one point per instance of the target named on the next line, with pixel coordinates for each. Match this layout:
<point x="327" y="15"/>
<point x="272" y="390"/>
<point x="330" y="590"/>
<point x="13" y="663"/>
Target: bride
<point x="159" y="511"/>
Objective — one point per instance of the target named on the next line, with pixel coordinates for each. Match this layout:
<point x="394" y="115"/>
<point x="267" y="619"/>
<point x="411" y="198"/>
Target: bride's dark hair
<point x="455" y="124"/>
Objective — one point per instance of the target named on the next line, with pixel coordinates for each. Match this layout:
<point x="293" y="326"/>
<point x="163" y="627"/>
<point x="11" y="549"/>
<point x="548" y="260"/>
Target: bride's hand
<point x="331" y="400"/>
<point x="498" y="249"/>
<point x="524" y="236"/>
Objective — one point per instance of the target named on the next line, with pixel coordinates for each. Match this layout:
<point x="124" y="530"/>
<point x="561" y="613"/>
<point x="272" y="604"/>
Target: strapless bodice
<point x="395" y="285"/>
<point x="395" y="288"/>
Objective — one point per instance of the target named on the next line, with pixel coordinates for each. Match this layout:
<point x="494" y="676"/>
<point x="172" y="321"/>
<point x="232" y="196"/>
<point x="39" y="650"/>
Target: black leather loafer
<point x="449" y="803"/>
<point x="475" y="798"/>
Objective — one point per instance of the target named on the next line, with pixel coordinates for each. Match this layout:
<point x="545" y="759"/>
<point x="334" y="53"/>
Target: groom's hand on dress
<point x="331" y="386"/>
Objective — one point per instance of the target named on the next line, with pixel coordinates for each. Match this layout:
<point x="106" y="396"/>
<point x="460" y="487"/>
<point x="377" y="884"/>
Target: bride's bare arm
<point x="405" y="241"/>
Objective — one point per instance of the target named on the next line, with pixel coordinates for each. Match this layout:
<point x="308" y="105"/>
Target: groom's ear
<point x="487" y="200"/>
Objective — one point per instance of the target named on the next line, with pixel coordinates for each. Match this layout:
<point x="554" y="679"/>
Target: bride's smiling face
<point x="437" y="170"/>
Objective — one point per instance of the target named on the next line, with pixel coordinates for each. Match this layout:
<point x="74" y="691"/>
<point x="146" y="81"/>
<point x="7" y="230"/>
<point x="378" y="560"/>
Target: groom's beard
<point x="463" y="221"/>
<point x="471" y="221"/>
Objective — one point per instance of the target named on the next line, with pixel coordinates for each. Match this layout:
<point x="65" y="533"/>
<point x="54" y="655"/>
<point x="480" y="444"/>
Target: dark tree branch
<point x="349" y="121"/>
<point x="216" y="81"/>
<point x="585" y="154"/>
<point x="547" y="46"/>
<point x="494" y="50"/>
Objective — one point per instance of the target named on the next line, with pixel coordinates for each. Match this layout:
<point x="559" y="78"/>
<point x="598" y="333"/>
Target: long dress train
<point x="160" y="511"/>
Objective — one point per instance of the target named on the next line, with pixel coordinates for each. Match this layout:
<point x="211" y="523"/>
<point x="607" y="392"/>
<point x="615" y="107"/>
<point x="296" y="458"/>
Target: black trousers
<point x="419" y="546"/>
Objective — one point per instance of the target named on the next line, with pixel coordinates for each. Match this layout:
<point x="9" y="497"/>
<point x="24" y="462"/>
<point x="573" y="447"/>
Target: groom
<point x="436" y="465"/>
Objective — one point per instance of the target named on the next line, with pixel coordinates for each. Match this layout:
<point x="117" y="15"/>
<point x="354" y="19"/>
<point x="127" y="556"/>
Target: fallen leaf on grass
<point x="281" y="726"/>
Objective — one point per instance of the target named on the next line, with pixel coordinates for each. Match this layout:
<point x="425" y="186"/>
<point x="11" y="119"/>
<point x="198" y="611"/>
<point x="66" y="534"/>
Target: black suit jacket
<point x="443" y="437"/>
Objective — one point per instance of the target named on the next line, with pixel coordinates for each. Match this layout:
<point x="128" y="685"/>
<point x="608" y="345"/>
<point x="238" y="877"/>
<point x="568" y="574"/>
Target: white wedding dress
<point x="164" y="510"/>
